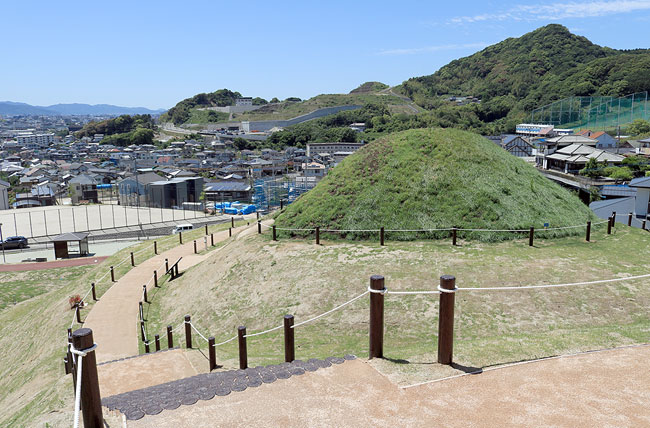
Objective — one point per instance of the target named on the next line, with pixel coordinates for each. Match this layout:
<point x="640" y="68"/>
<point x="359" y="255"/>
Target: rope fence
<point x="377" y="291"/>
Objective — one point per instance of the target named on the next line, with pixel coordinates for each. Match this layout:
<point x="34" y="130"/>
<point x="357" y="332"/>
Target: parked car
<point x="182" y="228"/>
<point x="14" y="242"/>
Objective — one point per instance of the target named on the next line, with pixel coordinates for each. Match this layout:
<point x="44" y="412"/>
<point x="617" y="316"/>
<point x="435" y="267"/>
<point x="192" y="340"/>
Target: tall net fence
<point x="594" y="113"/>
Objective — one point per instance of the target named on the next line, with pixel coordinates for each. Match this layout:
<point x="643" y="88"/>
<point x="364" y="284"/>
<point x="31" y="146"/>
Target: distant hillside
<point x="12" y="108"/>
<point x="191" y="110"/>
<point x="513" y="77"/>
<point x="369" y="87"/>
<point x="434" y="178"/>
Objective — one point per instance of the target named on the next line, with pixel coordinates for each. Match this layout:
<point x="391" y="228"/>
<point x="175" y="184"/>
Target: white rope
<point x="571" y="284"/>
<point x="198" y="332"/>
<point x="444" y="290"/>
<point x="414" y="292"/>
<point x="79" y="361"/>
<point x="330" y="311"/>
<point x="264" y="332"/>
<point x="418" y="230"/>
<point x="350" y="230"/>
<point x="301" y="230"/>
<point x="226" y="341"/>
<point x="493" y="230"/>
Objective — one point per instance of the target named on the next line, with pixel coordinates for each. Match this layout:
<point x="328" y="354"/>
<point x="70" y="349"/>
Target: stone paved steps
<point x="171" y="395"/>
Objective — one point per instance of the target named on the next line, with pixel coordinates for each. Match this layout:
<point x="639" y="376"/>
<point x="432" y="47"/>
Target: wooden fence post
<point x="212" y="239"/>
<point x="531" y="236"/>
<point x="90" y="397"/>
<point x="78" y="311"/>
<point x="629" y="220"/>
<point x="275" y="236"/>
<point x="155" y="278"/>
<point x="454" y="235"/>
<point x="170" y="337"/>
<point x="112" y="274"/>
<point x="146" y="347"/>
<point x="211" y="352"/>
<point x="180" y="237"/>
<point x="132" y="259"/>
<point x="317" y="235"/>
<point x="289" y="343"/>
<point x="230" y="232"/>
<point x="188" y="332"/>
<point x="94" y="293"/>
<point x="258" y="214"/>
<point x="195" y="246"/>
<point x="588" y="231"/>
<point x="232" y="222"/>
<point x="446" y="320"/>
<point x="155" y="247"/>
<point x="144" y="338"/>
<point x="609" y="225"/>
<point x="643" y="225"/>
<point x="144" y="292"/>
<point x="381" y="236"/>
<point x="206" y="229"/>
<point x="259" y="227"/>
<point x="613" y="218"/>
<point x="376" y="329"/>
<point x="281" y="203"/>
<point x="243" y="357"/>
<point x="141" y="310"/>
<point x="157" y="339"/>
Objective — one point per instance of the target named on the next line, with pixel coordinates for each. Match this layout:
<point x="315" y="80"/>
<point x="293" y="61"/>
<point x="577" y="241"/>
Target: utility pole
<point x="4" y="260"/>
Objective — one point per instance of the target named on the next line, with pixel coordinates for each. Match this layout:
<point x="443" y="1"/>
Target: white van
<point x="182" y="228"/>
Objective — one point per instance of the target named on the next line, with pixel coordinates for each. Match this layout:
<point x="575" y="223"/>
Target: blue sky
<point x="153" y="54"/>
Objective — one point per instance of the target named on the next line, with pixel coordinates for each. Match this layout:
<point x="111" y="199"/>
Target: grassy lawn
<point x="16" y="287"/>
<point x="255" y="281"/>
<point x="33" y="332"/>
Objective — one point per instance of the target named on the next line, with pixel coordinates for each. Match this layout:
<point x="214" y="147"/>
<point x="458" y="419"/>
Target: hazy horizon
<point x="154" y="55"/>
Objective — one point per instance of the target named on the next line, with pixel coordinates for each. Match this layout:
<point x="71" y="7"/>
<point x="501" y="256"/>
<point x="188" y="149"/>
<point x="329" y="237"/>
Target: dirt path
<point x="114" y="318"/>
<point x="22" y="267"/>
<point x="144" y="371"/>
<point x="606" y="388"/>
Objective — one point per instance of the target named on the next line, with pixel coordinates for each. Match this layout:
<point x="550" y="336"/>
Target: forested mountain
<point x="519" y="74"/>
<point x="12" y="108"/>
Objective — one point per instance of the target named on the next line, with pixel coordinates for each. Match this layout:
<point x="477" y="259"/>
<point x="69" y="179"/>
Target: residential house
<point x="175" y="192"/>
<point x="642" y="200"/>
<point x="228" y="190"/>
<point x="514" y="144"/>
<point x="604" y="140"/>
<point x="83" y="188"/>
<point x="573" y="158"/>
<point x="133" y="189"/>
<point x="314" y="169"/>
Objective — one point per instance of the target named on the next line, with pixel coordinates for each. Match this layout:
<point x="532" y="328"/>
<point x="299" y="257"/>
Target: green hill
<point x="513" y="77"/>
<point x="435" y="178"/>
<point x="369" y="87"/>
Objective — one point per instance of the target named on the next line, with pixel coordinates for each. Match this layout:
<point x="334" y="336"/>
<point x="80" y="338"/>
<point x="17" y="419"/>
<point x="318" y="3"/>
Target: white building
<point x="314" y="149"/>
<point x="642" y="201"/>
<point x="244" y="101"/>
<point x="39" y="140"/>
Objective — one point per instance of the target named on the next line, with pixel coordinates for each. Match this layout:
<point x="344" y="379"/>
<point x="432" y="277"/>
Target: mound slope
<point x="435" y="178"/>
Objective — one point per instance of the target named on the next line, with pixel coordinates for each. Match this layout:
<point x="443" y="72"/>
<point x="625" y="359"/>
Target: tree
<point x="274" y="100"/>
<point x="257" y="101"/>
<point x="592" y="169"/>
<point x="293" y="99"/>
<point x="620" y="173"/>
<point x="638" y="127"/>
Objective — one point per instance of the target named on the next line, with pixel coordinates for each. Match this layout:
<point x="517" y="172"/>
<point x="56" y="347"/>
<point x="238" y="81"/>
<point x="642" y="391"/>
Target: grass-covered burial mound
<point x="435" y="178"/>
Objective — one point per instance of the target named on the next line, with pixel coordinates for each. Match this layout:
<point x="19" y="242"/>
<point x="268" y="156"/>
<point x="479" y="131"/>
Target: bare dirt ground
<point x="81" y="261"/>
<point x="605" y="389"/>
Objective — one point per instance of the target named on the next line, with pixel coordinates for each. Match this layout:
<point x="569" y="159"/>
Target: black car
<point x="14" y="242"/>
